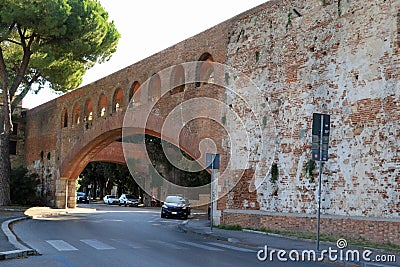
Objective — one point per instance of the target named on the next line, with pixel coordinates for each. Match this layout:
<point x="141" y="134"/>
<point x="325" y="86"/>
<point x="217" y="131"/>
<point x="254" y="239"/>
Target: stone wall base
<point x="375" y="230"/>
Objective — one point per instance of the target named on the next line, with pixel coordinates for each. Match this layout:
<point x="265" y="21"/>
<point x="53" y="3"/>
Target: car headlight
<point x="183" y="208"/>
<point x="165" y="206"/>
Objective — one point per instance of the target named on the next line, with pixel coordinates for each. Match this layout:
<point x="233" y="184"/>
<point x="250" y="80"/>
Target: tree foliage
<point x="46" y="42"/>
<point x="52" y="41"/>
<point x="102" y="176"/>
<point x="23" y="187"/>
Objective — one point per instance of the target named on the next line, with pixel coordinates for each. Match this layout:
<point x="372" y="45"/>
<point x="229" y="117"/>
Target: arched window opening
<point x="118" y="97"/>
<point x="64" y="119"/>
<point x="205" y="70"/>
<point x="77" y="115"/>
<point x="178" y="79"/>
<point x="134" y="88"/>
<point x="102" y="111"/>
<point x="88" y="110"/>
<point x="154" y="88"/>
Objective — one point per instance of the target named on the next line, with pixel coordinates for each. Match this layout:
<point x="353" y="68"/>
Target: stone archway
<point x="101" y="136"/>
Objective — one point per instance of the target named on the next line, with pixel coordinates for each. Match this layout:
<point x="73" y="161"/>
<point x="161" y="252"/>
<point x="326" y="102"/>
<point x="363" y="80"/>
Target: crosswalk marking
<point x="61" y="245"/>
<point x="129" y="243"/>
<point x="200" y="246"/>
<point x="230" y="247"/>
<point x="166" y="244"/>
<point x="96" y="244"/>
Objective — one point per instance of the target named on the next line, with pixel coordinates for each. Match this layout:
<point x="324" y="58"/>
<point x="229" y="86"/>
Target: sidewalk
<point x="200" y="225"/>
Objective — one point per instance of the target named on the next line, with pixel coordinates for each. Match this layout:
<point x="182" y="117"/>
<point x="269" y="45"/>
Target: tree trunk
<point x="5" y="132"/>
<point x="5" y="164"/>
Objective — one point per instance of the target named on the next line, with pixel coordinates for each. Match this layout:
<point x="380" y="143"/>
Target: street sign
<point x="319" y="150"/>
<point x="212" y="161"/>
<point x="320" y="136"/>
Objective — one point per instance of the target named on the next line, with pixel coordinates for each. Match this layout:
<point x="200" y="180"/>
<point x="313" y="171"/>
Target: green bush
<point x="23" y="187"/>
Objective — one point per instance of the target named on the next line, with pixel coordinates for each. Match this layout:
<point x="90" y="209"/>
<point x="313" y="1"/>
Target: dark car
<point x="81" y="197"/>
<point x="128" y="200"/>
<point x="175" y="206"/>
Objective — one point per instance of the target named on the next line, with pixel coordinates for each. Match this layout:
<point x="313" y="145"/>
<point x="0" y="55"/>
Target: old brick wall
<point x="353" y="229"/>
<point x="59" y="147"/>
<point x="335" y="57"/>
<point x="341" y="58"/>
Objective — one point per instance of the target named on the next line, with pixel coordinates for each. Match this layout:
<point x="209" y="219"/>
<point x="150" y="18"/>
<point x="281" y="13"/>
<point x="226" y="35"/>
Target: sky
<point x="147" y="27"/>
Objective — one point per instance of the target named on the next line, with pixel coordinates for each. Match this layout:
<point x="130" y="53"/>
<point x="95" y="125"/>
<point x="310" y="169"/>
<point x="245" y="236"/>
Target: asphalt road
<point x="125" y="236"/>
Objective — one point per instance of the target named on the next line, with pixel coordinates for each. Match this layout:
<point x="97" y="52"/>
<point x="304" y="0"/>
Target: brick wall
<point x="340" y="58"/>
<point x="373" y="230"/>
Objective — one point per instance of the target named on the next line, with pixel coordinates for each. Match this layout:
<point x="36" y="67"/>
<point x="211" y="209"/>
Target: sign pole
<point x="212" y="197"/>
<point x="319" y="151"/>
<point x="212" y="162"/>
<point x="319" y="183"/>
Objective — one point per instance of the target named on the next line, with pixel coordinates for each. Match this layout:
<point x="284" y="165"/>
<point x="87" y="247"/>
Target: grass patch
<point x="230" y="227"/>
<point x="332" y="238"/>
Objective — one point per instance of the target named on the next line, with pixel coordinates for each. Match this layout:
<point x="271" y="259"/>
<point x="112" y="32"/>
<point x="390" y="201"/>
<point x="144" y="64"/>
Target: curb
<point x="209" y="234"/>
<point x="187" y="229"/>
<point x="22" y="250"/>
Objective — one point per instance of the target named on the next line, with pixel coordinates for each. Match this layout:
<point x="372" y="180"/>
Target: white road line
<point x="200" y="246"/>
<point x="129" y="243"/>
<point x="61" y="245"/>
<point x="96" y="244"/>
<point x="231" y="247"/>
<point x="166" y="244"/>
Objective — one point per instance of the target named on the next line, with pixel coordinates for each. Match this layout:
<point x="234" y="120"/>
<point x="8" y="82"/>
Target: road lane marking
<point x="96" y="244"/>
<point x="166" y="244"/>
<point x="129" y="243"/>
<point x="231" y="247"/>
<point x="64" y="261"/>
<point x="61" y="245"/>
<point x="200" y="246"/>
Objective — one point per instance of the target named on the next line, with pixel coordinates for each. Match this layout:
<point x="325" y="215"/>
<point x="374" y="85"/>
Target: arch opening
<point x="89" y="147"/>
<point x="205" y="70"/>
<point x="88" y="111"/>
<point x="134" y="89"/>
<point x="154" y="88"/>
<point x="64" y="119"/>
<point x="177" y="80"/>
<point x="77" y="115"/>
<point x="102" y="106"/>
<point x="118" y="100"/>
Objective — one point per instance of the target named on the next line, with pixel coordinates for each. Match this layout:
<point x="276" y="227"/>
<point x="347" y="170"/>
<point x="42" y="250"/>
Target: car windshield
<point x="80" y="194"/>
<point x="130" y="196"/>
<point x="174" y="199"/>
<point x="111" y="196"/>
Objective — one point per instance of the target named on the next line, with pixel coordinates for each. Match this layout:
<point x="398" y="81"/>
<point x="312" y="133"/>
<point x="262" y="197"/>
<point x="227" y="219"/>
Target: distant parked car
<point x="128" y="200"/>
<point x="110" y="199"/>
<point x="81" y="197"/>
<point x="175" y="206"/>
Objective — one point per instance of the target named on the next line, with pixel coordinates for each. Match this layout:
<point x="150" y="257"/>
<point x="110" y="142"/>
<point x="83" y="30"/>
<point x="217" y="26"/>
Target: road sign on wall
<point x="212" y="161"/>
<point x="320" y="136"/>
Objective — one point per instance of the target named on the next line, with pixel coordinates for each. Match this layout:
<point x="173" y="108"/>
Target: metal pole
<point x="319" y="182"/>
<point x="212" y="196"/>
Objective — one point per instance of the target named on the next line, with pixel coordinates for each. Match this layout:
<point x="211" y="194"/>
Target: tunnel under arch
<point x="101" y="136"/>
